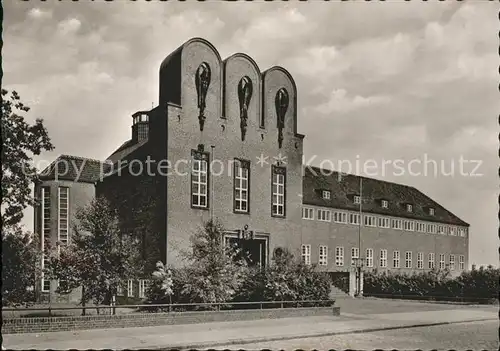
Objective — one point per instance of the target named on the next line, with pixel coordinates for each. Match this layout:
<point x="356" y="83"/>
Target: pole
<point x="212" y="188"/>
<point x="359" y="233"/>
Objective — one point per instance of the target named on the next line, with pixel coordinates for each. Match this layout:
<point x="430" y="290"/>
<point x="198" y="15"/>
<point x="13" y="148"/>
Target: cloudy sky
<point x="379" y="81"/>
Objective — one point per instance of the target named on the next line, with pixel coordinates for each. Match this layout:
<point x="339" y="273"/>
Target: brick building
<point x="223" y="143"/>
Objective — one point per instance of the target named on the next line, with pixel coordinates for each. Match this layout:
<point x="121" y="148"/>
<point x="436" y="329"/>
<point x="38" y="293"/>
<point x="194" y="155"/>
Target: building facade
<point x="223" y="143"/>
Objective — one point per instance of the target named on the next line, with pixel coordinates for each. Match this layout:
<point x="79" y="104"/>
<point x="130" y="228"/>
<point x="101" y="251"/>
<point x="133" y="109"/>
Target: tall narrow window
<point x="323" y="255"/>
<point x="420" y="260"/>
<point x="278" y="191"/>
<point x="199" y="180"/>
<point x="369" y="258"/>
<point x="395" y="259"/>
<point x="306" y="254"/>
<point x="45" y="229"/>
<point x="461" y="262"/>
<point x="452" y="262"/>
<point x="339" y="256"/>
<point x="241" y="186"/>
<point x="354" y="255"/>
<point x="63" y="215"/>
<point x="442" y="262"/>
<point x="354" y="218"/>
<point x="143" y="286"/>
<point x="130" y="288"/>
<point x="383" y="258"/>
<point x="431" y="261"/>
<point x="408" y="259"/>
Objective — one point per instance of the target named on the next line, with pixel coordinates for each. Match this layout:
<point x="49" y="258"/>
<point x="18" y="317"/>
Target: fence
<point x="181" y="307"/>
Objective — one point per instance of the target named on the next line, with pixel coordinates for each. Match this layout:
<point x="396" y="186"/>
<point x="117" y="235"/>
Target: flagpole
<point x="359" y="233"/>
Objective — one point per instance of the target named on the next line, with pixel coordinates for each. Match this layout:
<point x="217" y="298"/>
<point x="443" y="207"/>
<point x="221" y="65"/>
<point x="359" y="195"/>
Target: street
<point x="459" y="336"/>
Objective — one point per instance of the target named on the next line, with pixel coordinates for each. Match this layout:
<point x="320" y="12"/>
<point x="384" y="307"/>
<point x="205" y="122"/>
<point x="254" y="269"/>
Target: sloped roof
<point x="74" y="168"/>
<point x="343" y="186"/>
<point x="125" y="149"/>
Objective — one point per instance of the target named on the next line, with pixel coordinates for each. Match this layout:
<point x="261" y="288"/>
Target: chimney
<point x="140" y="126"/>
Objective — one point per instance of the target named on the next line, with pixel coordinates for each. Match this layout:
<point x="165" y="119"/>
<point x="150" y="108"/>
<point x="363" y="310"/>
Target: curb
<point x="306" y="336"/>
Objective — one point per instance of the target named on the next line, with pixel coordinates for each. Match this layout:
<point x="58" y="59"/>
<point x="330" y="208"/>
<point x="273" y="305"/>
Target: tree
<point x="20" y="264"/>
<point x="98" y="256"/>
<point x="20" y="141"/>
<point x="215" y="273"/>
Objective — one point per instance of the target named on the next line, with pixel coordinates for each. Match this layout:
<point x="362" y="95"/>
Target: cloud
<point x="69" y="26"/>
<point x="37" y="13"/>
<point x="379" y="80"/>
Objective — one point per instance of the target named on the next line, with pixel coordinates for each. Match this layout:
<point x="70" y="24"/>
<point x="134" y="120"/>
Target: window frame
<point x="420" y="260"/>
<point x="369" y="258"/>
<point x="383" y="258"/>
<point x="408" y="259"/>
<point x="309" y="210"/>
<point x="244" y="165"/>
<point x="339" y="256"/>
<point x="326" y="194"/>
<point x="323" y="255"/>
<point x="396" y="257"/>
<point x="306" y="254"/>
<point x="203" y="157"/>
<point x="354" y="255"/>
<point x="275" y="170"/>
<point x="431" y="260"/>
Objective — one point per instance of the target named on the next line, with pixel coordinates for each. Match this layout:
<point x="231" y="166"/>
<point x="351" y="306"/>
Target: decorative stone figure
<point x="281" y="103"/>
<point x="202" y="81"/>
<point x="245" y="90"/>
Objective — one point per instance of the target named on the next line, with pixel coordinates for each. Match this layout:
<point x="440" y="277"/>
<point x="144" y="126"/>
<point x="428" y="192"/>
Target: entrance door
<point x="253" y="251"/>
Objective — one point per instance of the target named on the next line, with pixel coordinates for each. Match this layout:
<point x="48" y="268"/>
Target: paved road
<point x="460" y="336"/>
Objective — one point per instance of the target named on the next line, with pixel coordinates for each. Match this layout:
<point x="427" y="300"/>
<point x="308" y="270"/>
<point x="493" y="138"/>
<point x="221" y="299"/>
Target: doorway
<point x="253" y="251"/>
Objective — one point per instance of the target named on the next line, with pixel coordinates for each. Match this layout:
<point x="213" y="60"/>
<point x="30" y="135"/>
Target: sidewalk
<point x="225" y="333"/>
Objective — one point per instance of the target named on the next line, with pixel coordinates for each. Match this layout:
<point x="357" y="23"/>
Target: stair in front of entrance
<point x="336" y="293"/>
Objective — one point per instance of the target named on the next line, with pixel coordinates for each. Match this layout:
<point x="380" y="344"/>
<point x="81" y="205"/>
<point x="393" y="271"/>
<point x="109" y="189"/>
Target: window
<point x="408" y="258"/>
<point x="340" y="217"/>
<point x="430" y="259"/>
<point x="63" y="215"/>
<point x="357" y="199"/>
<point x="339" y="256"/>
<point x="421" y="227"/>
<point x="354" y="255"/>
<point x="354" y="218"/>
<point x="130" y="288"/>
<point x="199" y="180"/>
<point x="369" y="257"/>
<point x="409" y="225"/>
<point x="461" y="232"/>
<point x="143" y="286"/>
<point x="307" y="213"/>
<point x="119" y="290"/>
<point x="461" y="262"/>
<point x="409" y="208"/>
<point x="432" y="228"/>
<point x="45" y="231"/>
<point x="441" y="261"/>
<point x="370" y="221"/>
<point x="395" y="259"/>
<point x="306" y="254"/>
<point x="452" y="262"/>
<point x="384" y="222"/>
<point x="324" y="215"/>
<point x="383" y="258"/>
<point x="431" y="211"/>
<point x="420" y="260"/>
<point x="440" y="229"/>
<point x="278" y="191"/>
<point x="241" y="186"/>
<point x="453" y="231"/>
<point x="323" y="255"/>
<point x="397" y="224"/>
<point x="325" y="194"/>
<point x="385" y="204"/>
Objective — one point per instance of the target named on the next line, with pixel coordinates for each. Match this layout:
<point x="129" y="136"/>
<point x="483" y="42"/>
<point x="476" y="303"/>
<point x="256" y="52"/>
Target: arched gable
<point x="270" y="85"/>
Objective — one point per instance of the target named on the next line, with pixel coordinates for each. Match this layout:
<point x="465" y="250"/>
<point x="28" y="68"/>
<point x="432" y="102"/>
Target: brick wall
<point x="334" y="234"/>
<point x="50" y="324"/>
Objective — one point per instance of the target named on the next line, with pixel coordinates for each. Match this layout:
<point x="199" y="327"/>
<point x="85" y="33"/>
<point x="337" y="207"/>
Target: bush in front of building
<point x="286" y="279"/>
<point x="475" y="285"/>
